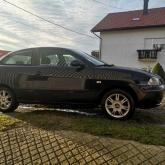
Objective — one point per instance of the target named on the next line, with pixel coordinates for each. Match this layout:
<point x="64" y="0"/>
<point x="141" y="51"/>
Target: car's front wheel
<point x="7" y="100"/>
<point x="118" y="104"/>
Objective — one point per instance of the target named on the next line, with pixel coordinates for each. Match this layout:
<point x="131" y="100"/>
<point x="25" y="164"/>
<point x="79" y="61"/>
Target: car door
<point x="58" y="81"/>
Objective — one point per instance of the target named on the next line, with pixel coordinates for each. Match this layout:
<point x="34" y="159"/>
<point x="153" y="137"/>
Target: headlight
<point x="154" y="81"/>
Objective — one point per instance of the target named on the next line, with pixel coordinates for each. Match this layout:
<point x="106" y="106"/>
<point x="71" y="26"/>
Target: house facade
<point x="134" y="38"/>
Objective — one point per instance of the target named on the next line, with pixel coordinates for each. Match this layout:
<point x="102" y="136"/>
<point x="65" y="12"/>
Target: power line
<point x="45" y="31"/>
<point x="48" y="20"/>
<point x="108" y="5"/>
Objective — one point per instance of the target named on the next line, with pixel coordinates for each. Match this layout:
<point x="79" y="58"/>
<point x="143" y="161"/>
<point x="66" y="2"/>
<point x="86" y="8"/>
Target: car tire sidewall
<point x="13" y="104"/>
<point x="124" y="93"/>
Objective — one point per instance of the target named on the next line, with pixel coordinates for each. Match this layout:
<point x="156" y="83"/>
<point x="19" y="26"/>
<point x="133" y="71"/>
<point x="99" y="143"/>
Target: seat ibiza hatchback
<point x="52" y="75"/>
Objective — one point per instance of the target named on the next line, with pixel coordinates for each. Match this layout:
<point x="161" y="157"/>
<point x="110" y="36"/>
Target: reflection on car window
<point x="68" y="59"/>
<point x="55" y="57"/>
<point x="19" y="58"/>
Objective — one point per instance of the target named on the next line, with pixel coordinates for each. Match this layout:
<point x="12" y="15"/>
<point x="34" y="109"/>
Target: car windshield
<point x="91" y="59"/>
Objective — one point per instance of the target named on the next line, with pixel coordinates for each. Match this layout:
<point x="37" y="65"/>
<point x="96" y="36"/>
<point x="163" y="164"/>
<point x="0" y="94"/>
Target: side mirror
<point x="77" y="63"/>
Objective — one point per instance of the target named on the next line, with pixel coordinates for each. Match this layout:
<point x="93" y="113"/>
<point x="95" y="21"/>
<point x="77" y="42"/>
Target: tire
<point x="118" y="104"/>
<point x="7" y="100"/>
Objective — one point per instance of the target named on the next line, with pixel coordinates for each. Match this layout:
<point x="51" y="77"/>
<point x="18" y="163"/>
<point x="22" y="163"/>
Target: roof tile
<point x="3" y="52"/>
<point x="124" y="20"/>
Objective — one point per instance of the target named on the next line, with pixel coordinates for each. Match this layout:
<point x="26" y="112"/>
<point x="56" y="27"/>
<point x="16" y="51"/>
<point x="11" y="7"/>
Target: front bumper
<point x="149" y="96"/>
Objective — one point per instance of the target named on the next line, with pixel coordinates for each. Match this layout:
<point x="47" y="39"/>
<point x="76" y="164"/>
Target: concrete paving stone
<point x="33" y="146"/>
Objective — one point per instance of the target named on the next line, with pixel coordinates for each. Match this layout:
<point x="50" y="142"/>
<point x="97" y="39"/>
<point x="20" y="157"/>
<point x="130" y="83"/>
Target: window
<point x="159" y="43"/>
<point x="68" y="59"/>
<point x="91" y="59"/>
<point x="55" y="57"/>
<point x="51" y="60"/>
<point x="159" y="46"/>
<point x="155" y="43"/>
<point x="19" y="58"/>
<point x="48" y="57"/>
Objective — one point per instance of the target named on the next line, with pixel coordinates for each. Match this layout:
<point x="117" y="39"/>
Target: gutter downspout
<point x="100" y="46"/>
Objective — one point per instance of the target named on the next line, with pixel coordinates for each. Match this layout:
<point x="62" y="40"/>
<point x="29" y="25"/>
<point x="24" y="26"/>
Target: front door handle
<point x="38" y="73"/>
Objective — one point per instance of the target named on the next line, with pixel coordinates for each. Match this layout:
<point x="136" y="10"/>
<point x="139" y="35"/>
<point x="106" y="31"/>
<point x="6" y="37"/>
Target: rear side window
<point x="19" y="58"/>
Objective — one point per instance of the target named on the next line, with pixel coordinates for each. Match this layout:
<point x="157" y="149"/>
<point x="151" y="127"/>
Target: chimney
<point x="145" y="9"/>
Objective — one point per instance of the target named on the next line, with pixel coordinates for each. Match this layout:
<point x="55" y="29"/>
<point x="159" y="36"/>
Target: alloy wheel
<point x="117" y="105"/>
<point x="5" y="99"/>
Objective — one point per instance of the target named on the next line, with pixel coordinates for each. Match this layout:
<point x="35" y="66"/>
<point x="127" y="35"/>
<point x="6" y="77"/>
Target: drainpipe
<point x="100" y="44"/>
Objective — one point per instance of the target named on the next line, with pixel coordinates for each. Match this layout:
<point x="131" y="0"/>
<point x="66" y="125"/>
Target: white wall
<point x="120" y="47"/>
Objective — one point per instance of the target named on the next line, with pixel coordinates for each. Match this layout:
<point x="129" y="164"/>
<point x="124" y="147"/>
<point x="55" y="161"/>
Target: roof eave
<point x="128" y="28"/>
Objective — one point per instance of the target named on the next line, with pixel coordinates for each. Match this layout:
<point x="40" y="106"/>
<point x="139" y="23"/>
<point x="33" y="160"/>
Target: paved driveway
<point x="29" y="145"/>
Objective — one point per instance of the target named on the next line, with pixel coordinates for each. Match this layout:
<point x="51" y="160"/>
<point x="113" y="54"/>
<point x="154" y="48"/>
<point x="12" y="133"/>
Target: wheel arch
<point x="6" y="86"/>
<point x="124" y="87"/>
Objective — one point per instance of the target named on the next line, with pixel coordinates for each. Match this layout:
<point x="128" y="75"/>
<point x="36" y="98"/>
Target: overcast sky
<point x="62" y="23"/>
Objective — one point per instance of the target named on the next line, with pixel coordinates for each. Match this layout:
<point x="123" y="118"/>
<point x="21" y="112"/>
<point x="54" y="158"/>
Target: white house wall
<point x="120" y="47"/>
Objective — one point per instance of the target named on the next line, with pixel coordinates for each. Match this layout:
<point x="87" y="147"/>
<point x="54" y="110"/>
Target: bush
<point x="158" y="69"/>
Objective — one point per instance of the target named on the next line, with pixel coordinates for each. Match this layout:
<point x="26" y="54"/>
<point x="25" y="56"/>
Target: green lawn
<point x="143" y="127"/>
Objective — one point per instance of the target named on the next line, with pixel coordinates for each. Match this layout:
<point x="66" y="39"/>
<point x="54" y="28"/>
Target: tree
<point x="158" y="69"/>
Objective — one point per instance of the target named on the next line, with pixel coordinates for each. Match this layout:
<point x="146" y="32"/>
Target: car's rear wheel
<point x="7" y="100"/>
<point x="118" y="104"/>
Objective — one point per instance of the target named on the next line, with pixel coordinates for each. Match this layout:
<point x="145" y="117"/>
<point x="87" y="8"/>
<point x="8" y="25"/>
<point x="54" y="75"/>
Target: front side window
<point x="19" y="58"/>
<point x="55" y="57"/>
<point x="49" y="60"/>
<point x="68" y="58"/>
